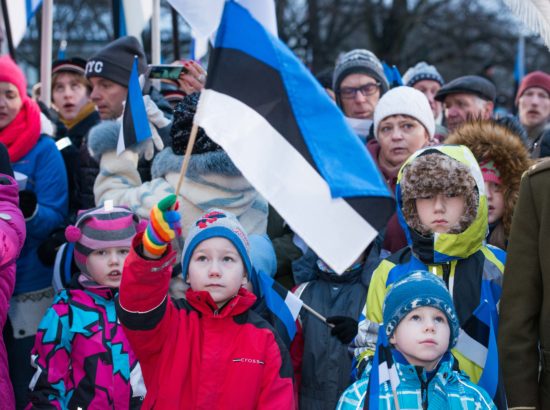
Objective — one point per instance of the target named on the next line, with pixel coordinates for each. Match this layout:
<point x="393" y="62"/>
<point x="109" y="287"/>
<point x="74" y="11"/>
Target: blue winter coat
<point x="47" y="178"/>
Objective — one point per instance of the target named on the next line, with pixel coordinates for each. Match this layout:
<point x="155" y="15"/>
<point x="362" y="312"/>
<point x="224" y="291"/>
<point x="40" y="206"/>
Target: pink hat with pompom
<point x="101" y="228"/>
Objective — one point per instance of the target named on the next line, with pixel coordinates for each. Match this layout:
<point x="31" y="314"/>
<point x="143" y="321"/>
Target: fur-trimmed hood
<point x="444" y="247"/>
<point x="491" y="141"/>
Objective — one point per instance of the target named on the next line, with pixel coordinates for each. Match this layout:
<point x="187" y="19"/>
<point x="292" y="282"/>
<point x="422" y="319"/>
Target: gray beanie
<point x="358" y="61"/>
<point x="422" y="71"/>
<point x="114" y="61"/>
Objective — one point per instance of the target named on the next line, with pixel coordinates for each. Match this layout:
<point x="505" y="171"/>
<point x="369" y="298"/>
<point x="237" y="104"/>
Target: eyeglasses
<point x="367" y="89"/>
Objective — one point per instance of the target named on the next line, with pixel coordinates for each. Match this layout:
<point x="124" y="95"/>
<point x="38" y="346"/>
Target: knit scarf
<point x="86" y="110"/>
<point x="21" y="135"/>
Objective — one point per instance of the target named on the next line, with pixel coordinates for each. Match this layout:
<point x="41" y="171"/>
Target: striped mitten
<point x="164" y="225"/>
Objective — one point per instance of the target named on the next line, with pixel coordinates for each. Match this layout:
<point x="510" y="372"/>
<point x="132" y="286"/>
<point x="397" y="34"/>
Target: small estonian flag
<point x="135" y="124"/>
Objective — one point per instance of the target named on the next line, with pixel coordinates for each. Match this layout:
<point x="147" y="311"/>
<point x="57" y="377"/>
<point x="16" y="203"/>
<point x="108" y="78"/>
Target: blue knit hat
<point x="213" y="224"/>
<point x="418" y="289"/>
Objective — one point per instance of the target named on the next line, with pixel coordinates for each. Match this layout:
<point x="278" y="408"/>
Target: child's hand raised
<point x="164" y="225"/>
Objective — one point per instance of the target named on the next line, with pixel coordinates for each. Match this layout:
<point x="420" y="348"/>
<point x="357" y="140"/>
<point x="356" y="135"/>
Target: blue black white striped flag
<point x="291" y="141"/>
<point x="135" y="124"/>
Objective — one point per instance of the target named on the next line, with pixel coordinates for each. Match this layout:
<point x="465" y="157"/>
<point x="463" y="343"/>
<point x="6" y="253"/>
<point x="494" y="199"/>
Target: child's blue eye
<point x="415" y="317"/>
<point x="228" y="259"/>
<point x="200" y="258"/>
<point x="440" y="319"/>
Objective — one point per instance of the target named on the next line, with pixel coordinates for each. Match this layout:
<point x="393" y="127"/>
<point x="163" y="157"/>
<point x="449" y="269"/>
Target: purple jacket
<point x="12" y="237"/>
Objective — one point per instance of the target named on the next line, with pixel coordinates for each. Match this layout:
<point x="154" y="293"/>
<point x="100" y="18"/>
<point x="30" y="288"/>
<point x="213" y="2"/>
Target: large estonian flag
<point x="135" y="124"/>
<point x="291" y="141"/>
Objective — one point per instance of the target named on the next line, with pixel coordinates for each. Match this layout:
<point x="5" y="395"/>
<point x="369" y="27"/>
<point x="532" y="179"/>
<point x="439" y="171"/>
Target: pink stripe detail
<point x="110" y="225"/>
<point x="99" y="244"/>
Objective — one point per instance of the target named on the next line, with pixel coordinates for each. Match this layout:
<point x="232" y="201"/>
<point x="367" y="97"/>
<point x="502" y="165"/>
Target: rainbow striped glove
<point x="164" y="225"/>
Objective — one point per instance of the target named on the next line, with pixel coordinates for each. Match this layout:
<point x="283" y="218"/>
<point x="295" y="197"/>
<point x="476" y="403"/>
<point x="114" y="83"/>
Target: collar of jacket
<point x="203" y="302"/>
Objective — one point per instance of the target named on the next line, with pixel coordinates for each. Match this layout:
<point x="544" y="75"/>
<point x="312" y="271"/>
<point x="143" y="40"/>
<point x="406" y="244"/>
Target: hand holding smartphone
<point x="166" y="71"/>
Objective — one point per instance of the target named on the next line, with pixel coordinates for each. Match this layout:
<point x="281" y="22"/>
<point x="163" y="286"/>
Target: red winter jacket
<point x="194" y="356"/>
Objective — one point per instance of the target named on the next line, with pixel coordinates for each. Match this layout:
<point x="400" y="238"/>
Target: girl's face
<point x="217" y="267"/>
<point x="495" y="200"/>
<point x="10" y="103"/>
<point x="105" y="265"/>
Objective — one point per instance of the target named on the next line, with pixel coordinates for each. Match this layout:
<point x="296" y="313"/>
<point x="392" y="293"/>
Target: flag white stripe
<point x="294" y="304"/>
<point x="137" y="14"/>
<point x="471" y="348"/>
<point x="331" y="227"/>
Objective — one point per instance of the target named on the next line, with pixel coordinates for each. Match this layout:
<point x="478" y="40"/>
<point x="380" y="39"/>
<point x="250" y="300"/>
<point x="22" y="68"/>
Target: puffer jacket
<point x="471" y="270"/>
<point x="12" y="237"/>
<point x="447" y="389"/>
<point x="82" y="355"/>
<point x="195" y="355"/>
<point x="47" y="178"/>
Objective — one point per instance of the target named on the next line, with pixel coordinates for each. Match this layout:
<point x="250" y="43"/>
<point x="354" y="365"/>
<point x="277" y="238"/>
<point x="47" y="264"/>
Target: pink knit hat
<point x="534" y="79"/>
<point x="11" y="73"/>
<point x="101" y="228"/>
<point x="490" y="172"/>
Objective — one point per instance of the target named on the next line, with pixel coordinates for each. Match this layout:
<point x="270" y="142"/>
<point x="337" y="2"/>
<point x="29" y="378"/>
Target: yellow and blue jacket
<point x="471" y="270"/>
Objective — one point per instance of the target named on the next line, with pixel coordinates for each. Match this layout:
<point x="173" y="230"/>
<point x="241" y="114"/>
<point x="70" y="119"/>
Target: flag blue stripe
<point x="135" y="98"/>
<point x="341" y="158"/>
<point x="277" y="304"/>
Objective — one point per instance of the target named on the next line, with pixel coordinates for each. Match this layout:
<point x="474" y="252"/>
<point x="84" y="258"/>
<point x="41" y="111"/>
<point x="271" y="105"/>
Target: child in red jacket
<point x="209" y="350"/>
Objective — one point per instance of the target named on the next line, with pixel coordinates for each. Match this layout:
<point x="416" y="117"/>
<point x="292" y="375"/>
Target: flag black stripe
<point x="130" y="137"/>
<point x="263" y="91"/>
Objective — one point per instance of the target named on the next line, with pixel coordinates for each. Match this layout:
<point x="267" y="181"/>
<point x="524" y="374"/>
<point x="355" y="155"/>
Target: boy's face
<point x="422" y="337"/>
<point x="69" y="95"/>
<point x="495" y="200"/>
<point x="440" y="212"/>
<point x="217" y="267"/>
<point x="105" y="265"/>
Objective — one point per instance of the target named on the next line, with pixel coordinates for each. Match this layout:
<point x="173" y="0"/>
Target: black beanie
<point x="114" y="61"/>
<point x="181" y="128"/>
<point x="5" y="164"/>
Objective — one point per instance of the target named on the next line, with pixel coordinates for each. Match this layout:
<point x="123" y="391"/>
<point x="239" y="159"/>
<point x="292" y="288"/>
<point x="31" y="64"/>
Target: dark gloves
<point x="27" y="202"/>
<point x="5" y="164"/>
<point x="345" y="328"/>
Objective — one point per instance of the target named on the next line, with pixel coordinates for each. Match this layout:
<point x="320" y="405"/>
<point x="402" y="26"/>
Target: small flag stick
<point x="317" y="315"/>
<point x="187" y="157"/>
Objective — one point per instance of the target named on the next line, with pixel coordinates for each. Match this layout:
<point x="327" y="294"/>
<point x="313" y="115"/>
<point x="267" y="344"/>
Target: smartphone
<point x="166" y="71"/>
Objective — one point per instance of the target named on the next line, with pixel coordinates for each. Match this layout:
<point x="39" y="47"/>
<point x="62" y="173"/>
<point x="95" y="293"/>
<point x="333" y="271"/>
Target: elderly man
<point x="358" y="83"/>
<point x="533" y="102"/>
<point x="466" y="98"/>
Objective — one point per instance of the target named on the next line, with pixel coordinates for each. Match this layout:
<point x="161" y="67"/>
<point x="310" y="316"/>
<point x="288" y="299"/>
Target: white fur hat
<point x="405" y="101"/>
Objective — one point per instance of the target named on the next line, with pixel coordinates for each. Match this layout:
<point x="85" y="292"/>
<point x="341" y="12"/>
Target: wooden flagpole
<point x="187" y="157"/>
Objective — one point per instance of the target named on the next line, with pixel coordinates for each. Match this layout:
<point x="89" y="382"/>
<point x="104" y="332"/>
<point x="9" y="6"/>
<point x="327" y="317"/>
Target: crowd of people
<point x="119" y="289"/>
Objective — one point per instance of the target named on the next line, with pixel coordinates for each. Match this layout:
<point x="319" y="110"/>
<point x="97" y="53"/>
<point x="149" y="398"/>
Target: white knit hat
<point x="405" y="101"/>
